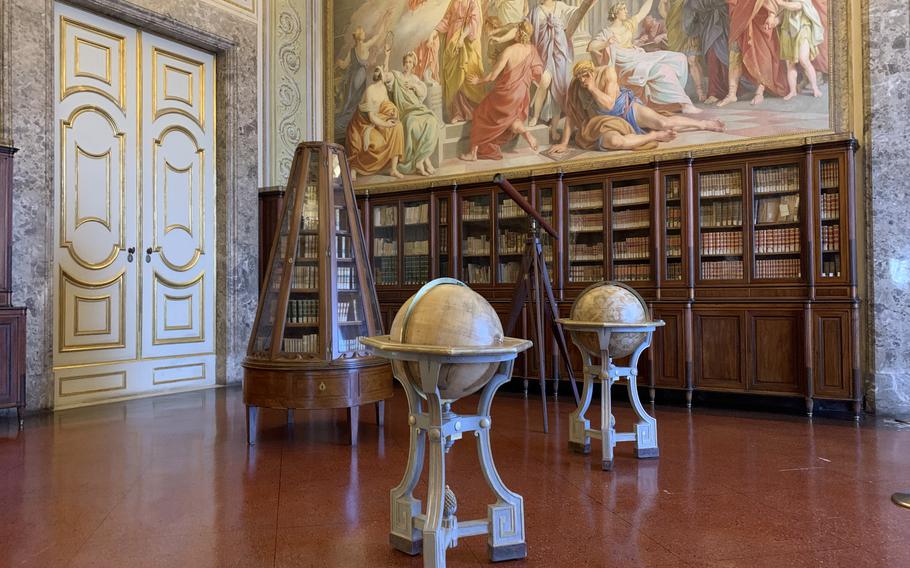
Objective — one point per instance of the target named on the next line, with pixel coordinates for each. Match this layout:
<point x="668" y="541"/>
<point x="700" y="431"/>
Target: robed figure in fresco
<point x="801" y="34"/>
<point x="707" y="23"/>
<point x="421" y="127"/>
<point x="375" y="141"/>
<point x="355" y="65"/>
<point x="501" y="115"/>
<point x="461" y="26"/>
<point x="754" y="50"/>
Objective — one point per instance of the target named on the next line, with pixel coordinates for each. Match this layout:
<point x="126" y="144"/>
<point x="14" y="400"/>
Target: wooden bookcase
<point x="12" y="319"/>
<point x="749" y="259"/>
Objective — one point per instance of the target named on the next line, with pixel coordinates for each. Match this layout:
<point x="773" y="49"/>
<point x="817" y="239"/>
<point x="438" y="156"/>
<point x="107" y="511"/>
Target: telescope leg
<point x="579" y="441"/>
<point x="404" y="507"/>
<point x="540" y="342"/>
<point x="506" y="538"/>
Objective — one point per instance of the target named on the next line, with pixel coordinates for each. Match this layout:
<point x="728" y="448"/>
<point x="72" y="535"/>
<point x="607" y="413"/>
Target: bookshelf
<point x="720" y="224"/>
<point x="630" y="225"/>
<point x="476" y="238"/>
<point x="512" y="227"/>
<point x="385" y="244"/>
<point x="673" y="227"/>
<point x="586" y="232"/>
<point x="318" y="298"/>
<point x="443" y="237"/>
<point x="546" y="207"/>
<point x="416" y="242"/>
<point x="776" y="231"/>
<point x="830" y="181"/>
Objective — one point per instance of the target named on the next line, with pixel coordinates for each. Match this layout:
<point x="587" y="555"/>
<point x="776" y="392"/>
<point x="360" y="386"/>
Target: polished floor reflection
<point x="170" y="482"/>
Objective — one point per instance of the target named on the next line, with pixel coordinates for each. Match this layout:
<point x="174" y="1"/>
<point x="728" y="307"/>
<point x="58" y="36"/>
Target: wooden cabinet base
<point x="269" y="386"/>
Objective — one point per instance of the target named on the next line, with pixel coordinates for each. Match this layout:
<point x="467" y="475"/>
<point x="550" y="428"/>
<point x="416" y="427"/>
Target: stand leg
<point x="539" y="344"/>
<point x="19" y="417"/>
<point x="646" y="427"/>
<point x="579" y="441"/>
<point x="251" y="419"/>
<point x="435" y="537"/>
<point x="653" y="394"/>
<point x="290" y="416"/>
<point x="689" y="399"/>
<point x="404" y="507"/>
<point x="810" y="406"/>
<point x="353" y="422"/>
<point x="607" y="423"/>
<point x="506" y="540"/>
<point x="380" y="413"/>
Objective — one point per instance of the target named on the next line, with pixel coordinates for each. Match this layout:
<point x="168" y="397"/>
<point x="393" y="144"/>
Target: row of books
<point x="443" y="205"/>
<point x="632" y="248"/>
<point x="722" y="214"/>
<point x="304" y="344"/>
<point x="477" y="273"/>
<point x="633" y="219"/>
<point x="477" y="245"/>
<point x="416" y="269"/>
<point x="414" y="214"/>
<point x="348" y="345"/>
<point x="341" y="220"/>
<point x="674" y="271"/>
<point x="386" y="271"/>
<point x="831" y="267"/>
<point x="830" y="174"/>
<point x="310" y="212"/>
<point x="347" y="311"/>
<point x="475" y="210"/>
<point x="722" y="270"/>
<point x="303" y="311"/>
<point x="508" y="209"/>
<point x="416" y="248"/>
<point x="587" y="251"/>
<point x="307" y="246"/>
<point x="586" y="222"/>
<point x="385" y="216"/>
<point x="674" y="245"/>
<point x="511" y="242"/>
<point x="347" y="278"/>
<point x="632" y="272"/>
<point x="631" y="194"/>
<point x="585" y="273"/>
<point x="783" y="209"/>
<point x="830" y="206"/>
<point x="722" y="243"/>
<point x="831" y="238"/>
<point x="344" y="247"/>
<point x="443" y="242"/>
<point x="586" y="199"/>
<point x="305" y="276"/>
<point x="674" y="217"/>
<point x="722" y="184"/>
<point x="777" y="240"/>
<point x="385" y="247"/>
<point x="508" y="271"/>
<point x="672" y="186"/>
<point x="776" y="179"/>
<point x="777" y="268"/>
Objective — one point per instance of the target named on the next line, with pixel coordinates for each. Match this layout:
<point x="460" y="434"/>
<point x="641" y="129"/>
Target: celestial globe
<point x="611" y="302"/>
<point x="446" y="313"/>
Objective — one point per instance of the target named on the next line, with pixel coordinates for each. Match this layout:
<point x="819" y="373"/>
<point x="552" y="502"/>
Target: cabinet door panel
<point x="669" y="349"/>
<point x="833" y="355"/>
<point x="719" y="350"/>
<point x="777" y="347"/>
<point x="7" y="367"/>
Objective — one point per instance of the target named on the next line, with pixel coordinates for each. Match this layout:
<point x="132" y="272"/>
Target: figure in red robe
<point x="754" y="51"/>
<point x="500" y="116"/>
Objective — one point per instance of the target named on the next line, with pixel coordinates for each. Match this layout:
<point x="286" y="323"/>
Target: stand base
<point x="403" y="545"/>
<point x="647" y="453"/>
<point x="606" y="465"/>
<point x="508" y="552"/>
<point x="580" y="448"/>
<point x="901" y="499"/>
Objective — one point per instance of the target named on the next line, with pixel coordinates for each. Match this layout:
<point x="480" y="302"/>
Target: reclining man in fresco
<point x="375" y="135"/>
<point x="609" y="117"/>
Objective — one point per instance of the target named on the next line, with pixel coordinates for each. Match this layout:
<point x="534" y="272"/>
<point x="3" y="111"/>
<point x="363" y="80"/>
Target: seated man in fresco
<point x="501" y="115"/>
<point x="375" y="139"/>
<point x="605" y="116"/>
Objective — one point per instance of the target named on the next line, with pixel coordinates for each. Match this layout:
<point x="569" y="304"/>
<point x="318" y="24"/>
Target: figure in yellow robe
<point x="461" y="27"/>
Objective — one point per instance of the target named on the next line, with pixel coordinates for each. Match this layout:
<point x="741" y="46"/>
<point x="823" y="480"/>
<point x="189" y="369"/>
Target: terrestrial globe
<point x="446" y="313"/>
<point x="611" y="302"/>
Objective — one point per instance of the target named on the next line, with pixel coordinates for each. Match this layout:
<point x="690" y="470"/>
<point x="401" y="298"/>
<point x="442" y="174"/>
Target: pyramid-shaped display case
<point x="317" y="299"/>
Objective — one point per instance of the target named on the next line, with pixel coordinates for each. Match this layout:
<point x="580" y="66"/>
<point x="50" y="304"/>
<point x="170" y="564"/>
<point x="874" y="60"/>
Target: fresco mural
<point x="430" y="89"/>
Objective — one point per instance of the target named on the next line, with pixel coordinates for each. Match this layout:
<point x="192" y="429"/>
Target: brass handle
<point x="321" y="387"/>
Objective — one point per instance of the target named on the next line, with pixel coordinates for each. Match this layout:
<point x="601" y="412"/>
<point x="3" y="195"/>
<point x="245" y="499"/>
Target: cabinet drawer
<point x="321" y="387"/>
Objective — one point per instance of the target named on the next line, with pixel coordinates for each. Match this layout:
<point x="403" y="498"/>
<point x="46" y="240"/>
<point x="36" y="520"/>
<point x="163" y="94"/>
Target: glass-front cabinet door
<point x="776" y="235"/>
<point x="385" y="244"/>
<point x="476" y="252"/>
<point x="673" y="228"/>
<point x="416" y="242"/>
<point x="630" y="216"/>
<point x="586" y="232"/>
<point x="720" y="225"/>
<point x="545" y="206"/>
<point x="512" y="226"/>
<point x="443" y="238"/>
<point x="831" y="212"/>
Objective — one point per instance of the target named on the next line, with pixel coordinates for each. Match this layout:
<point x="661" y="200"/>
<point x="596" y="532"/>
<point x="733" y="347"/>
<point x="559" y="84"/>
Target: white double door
<point x="134" y="193"/>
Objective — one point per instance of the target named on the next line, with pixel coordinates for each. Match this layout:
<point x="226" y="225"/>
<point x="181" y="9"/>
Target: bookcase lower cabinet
<point x="12" y="370"/>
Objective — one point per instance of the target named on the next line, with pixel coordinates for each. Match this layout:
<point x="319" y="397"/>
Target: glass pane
<point x="631" y="225"/>
<point x="475" y="245"/>
<point x="444" y="236"/>
<point x="586" y="233"/>
<point x="720" y="218"/>
<point x="512" y="233"/>
<point x="829" y="207"/>
<point x="416" y="243"/>
<point x="546" y="241"/>
<point x="673" y="231"/>
<point x="775" y="212"/>
<point x="301" y="327"/>
<point x="385" y="244"/>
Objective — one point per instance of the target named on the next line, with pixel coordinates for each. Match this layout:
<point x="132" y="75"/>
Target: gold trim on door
<point x="119" y="97"/>
<point x="197" y="74"/>
<point x="69" y="280"/>
<point x="156" y="325"/>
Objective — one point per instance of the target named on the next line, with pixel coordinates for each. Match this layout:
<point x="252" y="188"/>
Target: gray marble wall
<point x="227" y="32"/>
<point x="888" y="206"/>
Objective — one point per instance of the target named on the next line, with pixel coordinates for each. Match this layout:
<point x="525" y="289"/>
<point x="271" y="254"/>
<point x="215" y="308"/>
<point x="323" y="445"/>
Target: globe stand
<point x="580" y="432"/>
<point x="439" y="529"/>
<point x="901" y="499"/>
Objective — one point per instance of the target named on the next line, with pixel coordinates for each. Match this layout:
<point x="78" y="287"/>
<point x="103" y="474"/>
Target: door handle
<point x="148" y="255"/>
<point x="129" y="254"/>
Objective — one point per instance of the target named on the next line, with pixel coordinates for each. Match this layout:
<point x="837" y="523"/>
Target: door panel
<point x="719" y="350"/>
<point x="776" y="339"/>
